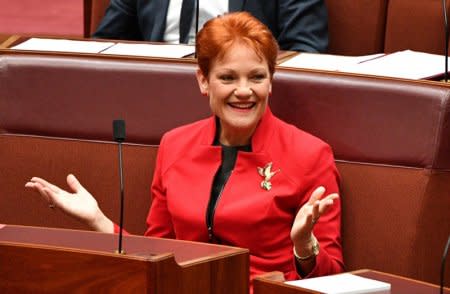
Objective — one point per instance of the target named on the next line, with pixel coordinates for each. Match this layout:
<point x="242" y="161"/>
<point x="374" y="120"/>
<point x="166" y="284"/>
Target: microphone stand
<point x="444" y="257"/>
<point x="119" y="137"/>
<point x="444" y="8"/>
<point x="121" y="199"/>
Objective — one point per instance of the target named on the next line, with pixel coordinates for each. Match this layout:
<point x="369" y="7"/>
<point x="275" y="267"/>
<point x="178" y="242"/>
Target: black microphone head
<point x="119" y="130"/>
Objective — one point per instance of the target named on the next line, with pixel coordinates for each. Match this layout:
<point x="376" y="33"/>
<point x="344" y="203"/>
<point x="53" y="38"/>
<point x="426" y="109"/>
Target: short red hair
<point x="220" y="33"/>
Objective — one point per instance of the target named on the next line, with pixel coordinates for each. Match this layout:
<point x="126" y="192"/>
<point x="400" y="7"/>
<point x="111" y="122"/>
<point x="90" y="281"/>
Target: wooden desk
<point x="3" y="38"/>
<point x="274" y="283"/>
<point x="47" y="260"/>
<point x="10" y="41"/>
<point x="7" y="42"/>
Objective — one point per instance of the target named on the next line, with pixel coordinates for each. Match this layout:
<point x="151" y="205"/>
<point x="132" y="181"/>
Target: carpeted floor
<point x="41" y="17"/>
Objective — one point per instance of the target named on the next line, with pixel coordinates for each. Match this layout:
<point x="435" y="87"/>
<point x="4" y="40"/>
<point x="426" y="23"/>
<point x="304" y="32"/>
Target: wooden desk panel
<point x="46" y="260"/>
<point x="274" y="283"/>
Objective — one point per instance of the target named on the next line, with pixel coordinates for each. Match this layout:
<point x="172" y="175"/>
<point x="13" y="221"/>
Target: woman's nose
<point x="243" y="91"/>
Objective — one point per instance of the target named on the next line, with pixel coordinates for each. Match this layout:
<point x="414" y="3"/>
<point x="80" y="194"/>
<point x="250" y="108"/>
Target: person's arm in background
<point x="120" y="22"/>
<point x="303" y="25"/>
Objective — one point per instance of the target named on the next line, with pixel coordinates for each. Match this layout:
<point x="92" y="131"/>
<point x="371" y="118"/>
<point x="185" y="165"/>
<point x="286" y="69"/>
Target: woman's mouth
<point x="247" y="105"/>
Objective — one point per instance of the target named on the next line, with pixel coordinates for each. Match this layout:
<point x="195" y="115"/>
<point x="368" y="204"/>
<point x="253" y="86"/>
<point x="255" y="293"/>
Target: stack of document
<point x="150" y="50"/>
<point x="406" y="64"/>
<point x="62" y="45"/>
<point x="342" y="284"/>
<point x="103" y="47"/>
<point x="403" y="64"/>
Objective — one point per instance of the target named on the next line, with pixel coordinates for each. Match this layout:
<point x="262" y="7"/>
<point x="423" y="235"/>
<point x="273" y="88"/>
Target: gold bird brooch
<point x="267" y="174"/>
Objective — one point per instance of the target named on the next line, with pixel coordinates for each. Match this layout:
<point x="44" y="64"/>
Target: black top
<point x="229" y="155"/>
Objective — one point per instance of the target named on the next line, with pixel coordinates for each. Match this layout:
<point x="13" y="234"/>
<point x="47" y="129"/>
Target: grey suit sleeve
<point x="302" y="25"/>
<point x="120" y="22"/>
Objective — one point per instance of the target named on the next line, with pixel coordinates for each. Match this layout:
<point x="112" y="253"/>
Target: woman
<point x="241" y="177"/>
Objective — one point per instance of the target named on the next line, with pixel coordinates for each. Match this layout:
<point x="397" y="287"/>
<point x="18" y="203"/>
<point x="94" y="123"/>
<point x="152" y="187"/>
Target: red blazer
<point x="246" y="215"/>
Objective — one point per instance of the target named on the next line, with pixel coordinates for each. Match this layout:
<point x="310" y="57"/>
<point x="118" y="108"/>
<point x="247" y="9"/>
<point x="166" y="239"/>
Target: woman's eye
<point x="259" y="77"/>
<point x="226" y="78"/>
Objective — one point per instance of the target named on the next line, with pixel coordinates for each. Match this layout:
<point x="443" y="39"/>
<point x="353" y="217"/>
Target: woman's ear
<point x="202" y="82"/>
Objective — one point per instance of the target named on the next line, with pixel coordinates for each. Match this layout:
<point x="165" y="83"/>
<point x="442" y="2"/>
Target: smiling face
<point x="238" y="86"/>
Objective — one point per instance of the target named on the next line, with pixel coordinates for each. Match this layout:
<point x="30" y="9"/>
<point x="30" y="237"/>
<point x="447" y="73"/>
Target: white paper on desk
<point x="62" y="45"/>
<point x="325" y="61"/>
<point x="342" y="284"/>
<point x="403" y="64"/>
<point x="151" y="50"/>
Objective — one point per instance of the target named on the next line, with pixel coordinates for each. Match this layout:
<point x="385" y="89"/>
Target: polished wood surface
<point x="46" y="260"/>
<point x="401" y="285"/>
<point x="274" y="283"/>
<point x="3" y="38"/>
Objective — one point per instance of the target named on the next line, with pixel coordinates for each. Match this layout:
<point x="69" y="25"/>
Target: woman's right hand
<point x="80" y="204"/>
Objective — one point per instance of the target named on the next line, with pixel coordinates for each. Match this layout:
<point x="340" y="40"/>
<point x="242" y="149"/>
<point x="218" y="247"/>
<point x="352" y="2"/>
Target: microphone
<point x="119" y="137"/>
<point x="444" y="257"/>
<point x="444" y="8"/>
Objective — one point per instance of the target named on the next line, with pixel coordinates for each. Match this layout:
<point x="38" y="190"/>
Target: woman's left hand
<point x="308" y="215"/>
